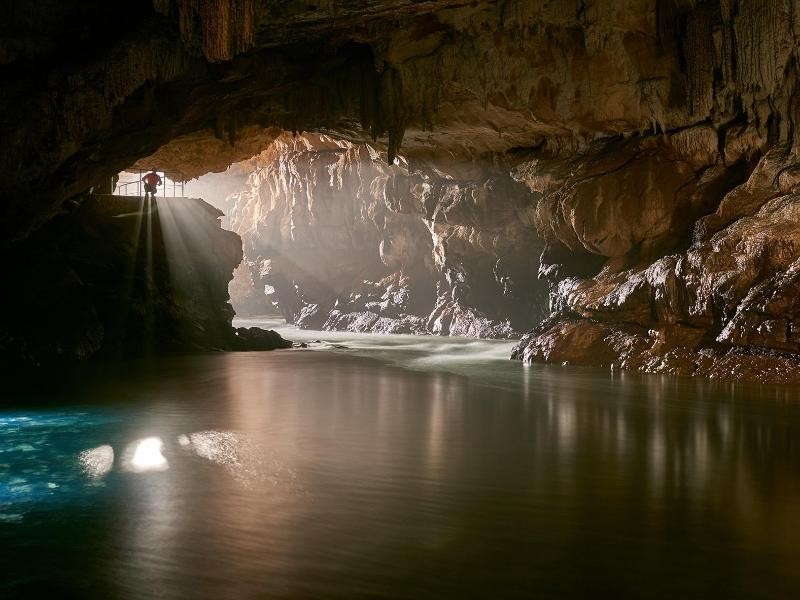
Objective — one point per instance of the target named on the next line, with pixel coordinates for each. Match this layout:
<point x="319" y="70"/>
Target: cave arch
<point x="641" y="143"/>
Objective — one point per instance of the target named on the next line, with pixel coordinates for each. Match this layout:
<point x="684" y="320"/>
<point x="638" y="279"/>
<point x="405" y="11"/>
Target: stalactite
<point x="369" y="103"/>
<point x="392" y="110"/>
<point x="513" y="76"/>
<point x="219" y="127"/>
<point x="764" y="42"/>
<point x="233" y="125"/>
<point x="699" y="45"/>
<point x="219" y="29"/>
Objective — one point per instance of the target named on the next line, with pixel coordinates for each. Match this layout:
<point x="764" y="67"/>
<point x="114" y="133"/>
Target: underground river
<point x="396" y="466"/>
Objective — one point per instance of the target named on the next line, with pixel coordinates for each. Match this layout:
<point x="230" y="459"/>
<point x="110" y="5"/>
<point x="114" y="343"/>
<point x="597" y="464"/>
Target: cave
<point x="442" y="229"/>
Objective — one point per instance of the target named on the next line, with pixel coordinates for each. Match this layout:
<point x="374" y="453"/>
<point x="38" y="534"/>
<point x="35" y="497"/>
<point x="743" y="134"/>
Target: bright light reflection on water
<point x="147" y="455"/>
<point x="96" y="462"/>
<point x="246" y="461"/>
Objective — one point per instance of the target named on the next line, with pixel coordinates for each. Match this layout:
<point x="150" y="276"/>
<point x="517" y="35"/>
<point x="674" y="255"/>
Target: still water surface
<point x="396" y="467"/>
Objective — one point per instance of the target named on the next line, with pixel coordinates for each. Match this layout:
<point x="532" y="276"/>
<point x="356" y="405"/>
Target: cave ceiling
<point x="191" y="86"/>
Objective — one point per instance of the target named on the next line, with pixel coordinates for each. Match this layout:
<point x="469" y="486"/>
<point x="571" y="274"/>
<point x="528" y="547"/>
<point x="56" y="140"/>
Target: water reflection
<point x="501" y="480"/>
<point x="145" y="455"/>
<point x="247" y="462"/>
<point x="97" y="462"/>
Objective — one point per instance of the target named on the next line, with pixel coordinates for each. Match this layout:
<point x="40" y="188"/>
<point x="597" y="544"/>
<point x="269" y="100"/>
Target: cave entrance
<point x="215" y="190"/>
<point x="337" y="237"/>
<point x="130" y="183"/>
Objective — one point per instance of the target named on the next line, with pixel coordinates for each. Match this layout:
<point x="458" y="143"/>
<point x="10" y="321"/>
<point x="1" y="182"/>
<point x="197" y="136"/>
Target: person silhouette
<point x="151" y="182"/>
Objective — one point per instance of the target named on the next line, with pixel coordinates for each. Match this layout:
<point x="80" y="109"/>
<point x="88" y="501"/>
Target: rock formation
<point x="636" y="158"/>
<point x="120" y="276"/>
<point x="343" y="240"/>
<point x="724" y="306"/>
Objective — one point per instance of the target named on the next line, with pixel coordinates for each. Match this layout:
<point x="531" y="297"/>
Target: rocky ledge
<point x="120" y="276"/>
<point x="727" y="307"/>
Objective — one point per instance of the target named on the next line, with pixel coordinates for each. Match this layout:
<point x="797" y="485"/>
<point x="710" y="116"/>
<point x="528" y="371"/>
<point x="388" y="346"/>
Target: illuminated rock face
<point x="726" y="307"/>
<point x="345" y="241"/>
<point x="642" y="148"/>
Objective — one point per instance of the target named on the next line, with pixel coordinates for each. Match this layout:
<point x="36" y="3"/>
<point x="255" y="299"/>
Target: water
<point x="396" y="467"/>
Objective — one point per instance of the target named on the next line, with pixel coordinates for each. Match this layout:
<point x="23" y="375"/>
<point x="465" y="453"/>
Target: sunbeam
<point x="149" y="325"/>
<point x="176" y="229"/>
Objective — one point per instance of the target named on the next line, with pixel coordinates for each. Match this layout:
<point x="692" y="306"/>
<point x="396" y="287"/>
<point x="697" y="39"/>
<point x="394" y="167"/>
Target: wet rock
<point x="631" y="199"/>
<point x="721" y="308"/>
<point x="255" y="338"/>
<point x="369" y="322"/>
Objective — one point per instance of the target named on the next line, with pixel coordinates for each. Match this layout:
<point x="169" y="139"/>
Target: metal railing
<point x="136" y="188"/>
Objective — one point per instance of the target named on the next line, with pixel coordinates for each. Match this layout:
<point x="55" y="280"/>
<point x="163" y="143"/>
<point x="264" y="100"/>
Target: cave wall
<point x="119" y="276"/>
<point x="723" y="304"/>
<point x="690" y="227"/>
<point x="343" y="240"/>
<point x="647" y="134"/>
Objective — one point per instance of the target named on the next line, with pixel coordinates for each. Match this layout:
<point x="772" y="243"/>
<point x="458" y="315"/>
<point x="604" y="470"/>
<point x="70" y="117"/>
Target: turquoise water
<point x="395" y="467"/>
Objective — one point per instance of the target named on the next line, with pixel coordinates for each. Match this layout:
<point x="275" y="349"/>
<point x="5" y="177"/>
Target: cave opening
<point x="337" y="237"/>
